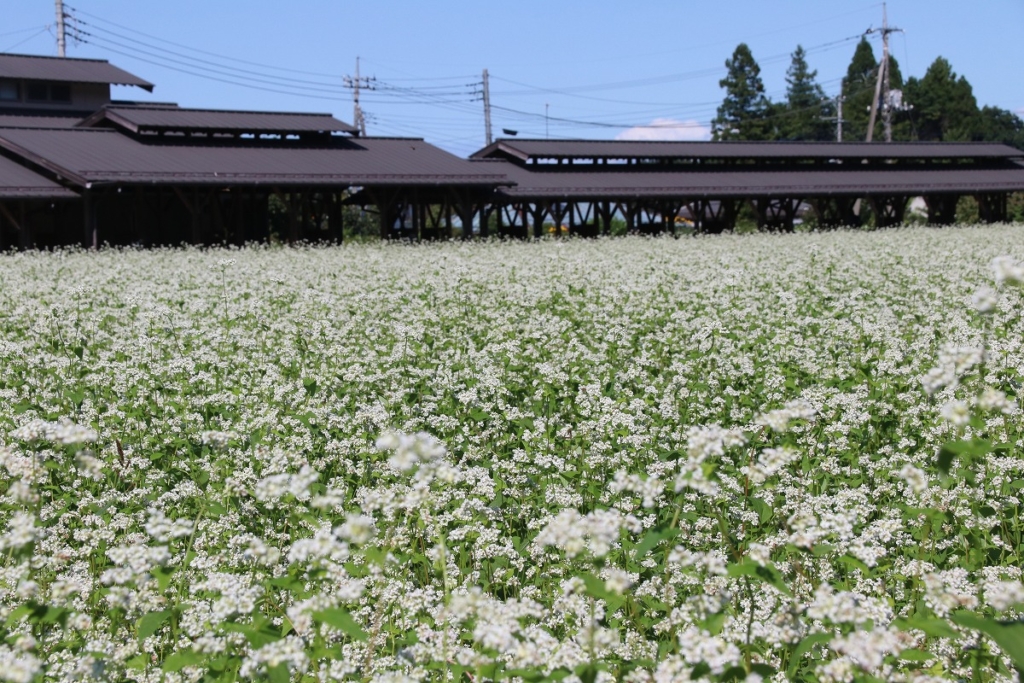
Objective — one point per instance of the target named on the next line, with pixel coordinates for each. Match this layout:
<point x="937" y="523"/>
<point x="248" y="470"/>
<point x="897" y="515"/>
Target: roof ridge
<point x="53" y="57"/>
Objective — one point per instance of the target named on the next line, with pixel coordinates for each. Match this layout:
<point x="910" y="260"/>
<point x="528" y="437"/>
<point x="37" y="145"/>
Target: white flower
<point x="1007" y="269"/>
<point x="993" y="400"/>
<point x="18" y="667"/>
<point x="957" y="413"/>
<point x="63" y="432"/>
<point x="985" y="300"/>
<point x="356" y="528"/>
<point x="1002" y="595"/>
<point x="410" y="449"/>
<point x="917" y="480"/>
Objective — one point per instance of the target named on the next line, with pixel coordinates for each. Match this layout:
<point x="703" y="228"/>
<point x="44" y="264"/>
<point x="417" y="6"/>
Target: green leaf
<point x="279" y="673"/>
<point x="150" y="623"/>
<point x="714" y="623"/>
<point x="915" y="655"/>
<point x="341" y="620"/>
<point x="16" y="616"/>
<point x="257" y="636"/>
<point x="966" y="450"/>
<point x="766" y="573"/>
<point x="138" y="662"/>
<point x="650" y="540"/>
<point x="803" y="648"/>
<point x="180" y="659"/>
<point x="163" y="576"/>
<point x="932" y="626"/>
<point x="1009" y="636"/>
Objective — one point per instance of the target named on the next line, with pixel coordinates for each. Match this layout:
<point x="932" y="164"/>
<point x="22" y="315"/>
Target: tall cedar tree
<point x="944" y="105"/>
<point x="743" y="114"/>
<point x="803" y="117"/>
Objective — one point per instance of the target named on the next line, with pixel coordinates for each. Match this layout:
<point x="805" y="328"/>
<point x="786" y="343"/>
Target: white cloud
<point x="667" y="129"/>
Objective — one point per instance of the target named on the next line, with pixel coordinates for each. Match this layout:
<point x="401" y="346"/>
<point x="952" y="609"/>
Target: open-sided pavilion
<point x="584" y="184"/>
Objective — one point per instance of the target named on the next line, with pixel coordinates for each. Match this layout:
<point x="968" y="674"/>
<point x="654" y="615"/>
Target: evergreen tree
<point x="859" y="89"/>
<point x="744" y="111"/>
<point x="999" y="125"/>
<point x="802" y="116"/>
<point x="944" y="105"/>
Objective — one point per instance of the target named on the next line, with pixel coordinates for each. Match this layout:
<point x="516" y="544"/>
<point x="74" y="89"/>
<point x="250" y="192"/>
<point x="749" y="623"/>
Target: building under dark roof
<point x="587" y="183"/>
<point x="159" y="173"/>
<point x="76" y="167"/>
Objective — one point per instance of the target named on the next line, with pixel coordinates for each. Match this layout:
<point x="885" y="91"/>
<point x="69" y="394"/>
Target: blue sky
<point x="598" y="69"/>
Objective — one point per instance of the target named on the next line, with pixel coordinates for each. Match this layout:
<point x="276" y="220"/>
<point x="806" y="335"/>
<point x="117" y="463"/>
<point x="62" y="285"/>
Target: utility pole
<point x="356" y="83"/>
<point x="487" y="107"/>
<point x="546" y="136"/>
<point x="882" y="79"/>
<point x="838" y="118"/>
<point x="61" y="40"/>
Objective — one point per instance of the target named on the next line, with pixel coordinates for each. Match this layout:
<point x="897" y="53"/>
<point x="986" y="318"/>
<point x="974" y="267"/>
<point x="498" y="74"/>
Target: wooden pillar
<point x="941" y="208"/>
<point x="537" y="213"/>
<point x="888" y="210"/>
<point x="485" y="215"/>
<point x="992" y="207"/>
<point x="90" y="238"/>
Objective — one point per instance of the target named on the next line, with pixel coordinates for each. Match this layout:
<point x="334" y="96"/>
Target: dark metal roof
<point x="16" y="119"/>
<point x="88" y="156"/>
<point x="67" y="70"/>
<point x="18" y="182"/>
<point x="634" y="149"/>
<point x="699" y="184"/>
<point x="164" y="118"/>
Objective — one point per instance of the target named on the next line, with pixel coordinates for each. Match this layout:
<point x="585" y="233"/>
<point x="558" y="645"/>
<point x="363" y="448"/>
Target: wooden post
<point x="91" y="236"/>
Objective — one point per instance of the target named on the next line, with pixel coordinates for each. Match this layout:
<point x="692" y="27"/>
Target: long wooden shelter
<point x="584" y="184"/>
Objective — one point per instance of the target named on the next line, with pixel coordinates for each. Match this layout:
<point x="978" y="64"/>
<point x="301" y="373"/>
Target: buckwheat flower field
<point x="765" y="457"/>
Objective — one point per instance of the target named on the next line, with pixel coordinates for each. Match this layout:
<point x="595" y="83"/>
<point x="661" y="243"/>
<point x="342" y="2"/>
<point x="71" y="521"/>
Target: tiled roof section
<point x="100" y="156"/>
<point x="699" y="184"/>
<point x="18" y="182"/>
<point x="67" y="70"/>
<point x="159" y="119"/>
<point x="633" y="149"/>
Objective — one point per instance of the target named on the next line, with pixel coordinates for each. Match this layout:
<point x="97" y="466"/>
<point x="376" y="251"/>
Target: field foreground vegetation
<point x="733" y="458"/>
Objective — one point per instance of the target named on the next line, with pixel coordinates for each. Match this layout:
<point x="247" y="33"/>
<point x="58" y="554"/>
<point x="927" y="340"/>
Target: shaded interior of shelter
<point x="79" y="167"/>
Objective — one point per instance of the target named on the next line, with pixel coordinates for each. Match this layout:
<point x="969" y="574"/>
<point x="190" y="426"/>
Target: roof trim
<point x="67" y="70"/>
<point x="524" y="149"/>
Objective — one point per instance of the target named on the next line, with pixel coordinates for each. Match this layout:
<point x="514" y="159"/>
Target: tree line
<point x="939" y="106"/>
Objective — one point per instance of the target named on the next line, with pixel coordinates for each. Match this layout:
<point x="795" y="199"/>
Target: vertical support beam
<point x="305" y="208"/>
<point x="197" y="225"/>
<point x="90" y="239"/>
<point x="606" y="218"/>
<point x="539" y="211"/>
<point x="992" y="207"/>
<point x="889" y="210"/>
<point x="941" y="208"/>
